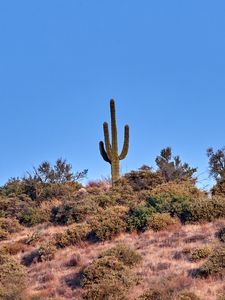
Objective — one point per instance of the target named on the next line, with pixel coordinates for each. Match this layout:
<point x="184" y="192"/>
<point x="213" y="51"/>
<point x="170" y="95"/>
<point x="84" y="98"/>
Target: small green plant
<point x="160" y="221"/>
<point x="200" y="253"/>
<point x="110" y="151"/>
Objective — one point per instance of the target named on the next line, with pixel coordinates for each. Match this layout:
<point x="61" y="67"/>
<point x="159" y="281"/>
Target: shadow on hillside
<point x="74" y="280"/>
<point x="30" y="258"/>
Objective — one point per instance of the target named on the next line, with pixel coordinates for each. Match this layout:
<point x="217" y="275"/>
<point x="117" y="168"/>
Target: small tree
<point x="217" y="169"/>
<point x="217" y="163"/>
<point x="61" y="172"/>
<point x="172" y="168"/>
<point x="45" y="181"/>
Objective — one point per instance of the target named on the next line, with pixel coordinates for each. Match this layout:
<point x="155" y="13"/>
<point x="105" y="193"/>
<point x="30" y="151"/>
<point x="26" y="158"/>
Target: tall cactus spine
<point x="109" y="151"/>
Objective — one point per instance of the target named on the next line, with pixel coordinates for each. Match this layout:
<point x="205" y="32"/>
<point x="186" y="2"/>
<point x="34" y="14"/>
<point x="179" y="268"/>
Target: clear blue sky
<point x="61" y="62"/>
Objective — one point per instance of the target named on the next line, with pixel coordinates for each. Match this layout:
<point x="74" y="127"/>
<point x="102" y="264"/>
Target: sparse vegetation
<point x="153" y="235"/>
<point x="12" y="278"/>
<point x="110" y="275"/>
<point x="215" y="265"/>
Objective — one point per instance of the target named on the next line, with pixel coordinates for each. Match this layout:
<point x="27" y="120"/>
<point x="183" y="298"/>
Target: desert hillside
<point x="152" y="235"/>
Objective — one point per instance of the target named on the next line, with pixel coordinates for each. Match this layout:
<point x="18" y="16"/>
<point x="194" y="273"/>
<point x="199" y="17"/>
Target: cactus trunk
<point x="115" y="170"/>
<point x="109" y="152"/>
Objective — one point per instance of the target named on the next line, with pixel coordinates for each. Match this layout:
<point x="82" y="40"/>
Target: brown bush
<point x="13" y="248"/>
<point x="12" y="278"/>
<point x="188" y="296"/>
<point x="3" y="235"/>
<point x="10" y="225"/>
<point x="46" y="252"/>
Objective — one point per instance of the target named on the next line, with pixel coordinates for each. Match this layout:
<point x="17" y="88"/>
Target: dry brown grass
<point x="166" y="254"/>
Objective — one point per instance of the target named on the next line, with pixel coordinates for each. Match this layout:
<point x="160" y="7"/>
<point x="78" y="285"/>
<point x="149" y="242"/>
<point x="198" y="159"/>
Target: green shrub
<point x="139" y="217"/>
<point x="123" y="194"/>
<point x="123" y="253"/>
<point x="188" y="296"/>
<point x="204" y="209"/>
<point x="215" y="265"/>
<point x="31" y="216"/>
<point x="221" y="234"/>
<point x="173" y="197"/>
<point x="200" y="253"/>
<point x="12" y="278"/>
<point x="103" y="200"/>
<point x="75" y="210"/>
<point x="160" y="221"/>
<point x="72" y="236"/>
<point x="46" y="181"/>
<point x="110" y="276"/>
<point x="108" y="222"/>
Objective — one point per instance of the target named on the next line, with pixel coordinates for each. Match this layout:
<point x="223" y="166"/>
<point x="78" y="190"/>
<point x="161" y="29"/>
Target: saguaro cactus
<point x="110" y="151"/>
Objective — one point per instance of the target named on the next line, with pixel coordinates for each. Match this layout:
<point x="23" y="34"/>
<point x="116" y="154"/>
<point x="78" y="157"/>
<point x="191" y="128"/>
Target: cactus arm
<point x="126" y="143"/>
<point x="114" y="128"/>
<point x="107" y="140"/>
<point x="103" y="152"/>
